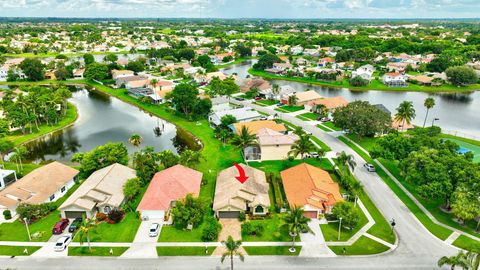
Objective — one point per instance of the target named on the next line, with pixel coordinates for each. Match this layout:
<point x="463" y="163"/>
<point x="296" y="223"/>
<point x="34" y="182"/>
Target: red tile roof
<point x="170" y="185"/>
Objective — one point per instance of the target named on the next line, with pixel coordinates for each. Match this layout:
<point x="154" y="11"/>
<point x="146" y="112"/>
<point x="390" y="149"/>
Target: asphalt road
<point x="417" y="248"/>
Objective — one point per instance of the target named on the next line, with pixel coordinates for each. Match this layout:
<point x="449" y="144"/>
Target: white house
<point x="365" y="72"/>
<point x="7" y="177"/>
<point x="394" y="79"/>
<point x="245" y="114"/>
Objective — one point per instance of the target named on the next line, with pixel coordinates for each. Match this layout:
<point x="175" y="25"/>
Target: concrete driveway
<point x="143" y="245"/>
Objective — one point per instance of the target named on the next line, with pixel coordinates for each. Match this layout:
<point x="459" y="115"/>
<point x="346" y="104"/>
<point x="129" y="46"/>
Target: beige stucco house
<point x="272" y="145"/>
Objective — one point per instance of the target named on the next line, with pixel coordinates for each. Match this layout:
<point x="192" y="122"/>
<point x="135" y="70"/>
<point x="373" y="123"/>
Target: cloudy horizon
<point x="271" y="9"/>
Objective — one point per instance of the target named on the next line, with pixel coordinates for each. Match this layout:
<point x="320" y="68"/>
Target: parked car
<point x="62" y="243"/>
<point x="314" y="155"/>
<point x="280" y="104"/>
<point x="154" y="229"/>
<point x="75" y="224"/>
<point x="325" y="119"/>
<point x="60" y="226"/>
<point x="239" y="99"/>
<point x="258" y="98"/>
<point x="263" y="117"/>
<point x="369" y="167"/>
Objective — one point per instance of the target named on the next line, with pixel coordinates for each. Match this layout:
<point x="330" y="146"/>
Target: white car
<point x="369" y="167"/>
<point x="62" y="243"/>
<point x="314" y="155"/>
<point x="154" y="229"/>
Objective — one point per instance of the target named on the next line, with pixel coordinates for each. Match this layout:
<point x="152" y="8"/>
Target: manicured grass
<point x="330" y="230"/>
<point x="184" y="251"/>
<point x="266" y="102"/>
<point x="435" y="229"/>
<point x="17" y="250"/>
<point x="272" y="251"/>
<point x="309" y="116"/>
<point x="467" y="243"/>
<point x="172" y="234"/>
<point x="289" y="109"/>
<point x="27" y="168"/>
<point x="16" y="230"/>
<point x="470" y="141"/>
<point x="276" y="166"/>
<point x="18" y="138"/>
<point x="273" y="230"/>
<point x="363" y="246"/>
<point x="96" y="251"/>
<point x="321" y="144"/>
<point x="332" y="126"/>
<point x="324" y="128"/>
<point x="374" y="84"/>
<point x="366" y="143"/>
<point x="124" y="231"/>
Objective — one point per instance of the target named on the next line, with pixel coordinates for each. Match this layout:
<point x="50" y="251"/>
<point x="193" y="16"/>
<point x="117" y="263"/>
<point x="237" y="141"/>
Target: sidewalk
<point x="143" y="245"/>
<point x="314" y="244"/>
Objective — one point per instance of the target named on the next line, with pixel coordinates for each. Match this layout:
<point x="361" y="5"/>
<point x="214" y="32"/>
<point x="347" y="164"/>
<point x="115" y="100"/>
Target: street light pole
<point x="434" y="119"/>
<point x="339" y="228"/>
<point x="28" y="230"/>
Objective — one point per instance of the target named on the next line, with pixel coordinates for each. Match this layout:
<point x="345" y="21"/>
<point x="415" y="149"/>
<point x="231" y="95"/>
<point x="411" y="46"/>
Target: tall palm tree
<point x="429" y="103"/>
<point x="302" y="146"/>
<point x="19" y="154"/>
<point x="233" y="249"/>
<point x="244" y="139"/>
<point x="299" y="131"/>
<point x="190" y="158"/>
<point x="472" y="260"/>
<point x="296" y="223"/>
<point x="405" y="113"/>
<point x="275" y="89"/>
<point x="87" y="226"/>
<point x="153" y="84"/>
<point x="292" y="100"/>
<point x="346" y="161"/>
<point x="135" y="140"/>
<point x="453" y="261"/>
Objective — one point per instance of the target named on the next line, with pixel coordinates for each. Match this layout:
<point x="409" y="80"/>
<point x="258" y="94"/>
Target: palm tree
<point x="153" y="84"/>
<point x="453" y="261"/>
<point x="190" y="158"/>
<point x="244" y="139"/>
<point x="135" y="140"/>
<point x="472" y="260"/>
<point x="88" y="225"/>
<point x="292" y="100"/>
<point x="233" y="249"/>
<point x="429" y="103"/>
<point x="346" y="161"/>
<point x="299" y="131"/>
<point x="275" y="89"/>
<point x="296" y="223"/>
<point x="405" y="113"/>
<point x="18" y="154"/>
<point x="302" y="146"/>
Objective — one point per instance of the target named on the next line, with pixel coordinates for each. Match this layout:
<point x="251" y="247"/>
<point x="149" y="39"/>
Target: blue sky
<point x="243" y="8"/>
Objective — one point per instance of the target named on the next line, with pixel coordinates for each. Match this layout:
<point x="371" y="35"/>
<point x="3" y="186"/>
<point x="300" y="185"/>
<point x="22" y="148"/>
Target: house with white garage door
<point x="167" y="187"/>
<point x="233" y="197"/>
<point x="102" y="192"/>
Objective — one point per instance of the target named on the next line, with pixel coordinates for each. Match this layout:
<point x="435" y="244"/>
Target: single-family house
<point x="116" y="74"/>
<point x="326" y="61"/>
<point x="244" y="114"/>
<point x="141" y="83"/>
<point x="365" y="72"/>
<point x="207" y="78"/>
<point x="272" y="145"/>
<point x="233" y="197"/>
<point x="330" y="103"/>
<point x="311" y="188"/>
<point x="7" y="177"/>
<point x="167" y="187"/>
<point x="255" y="126"/>
<point x="45" y="184"/>
<point x="395" y="79"/>
<point x="101" y="192"/>
<point x="304" y="98"/>
<point x="123" y="81"/>
<point x="262" y="85"/>
<point x="78" y="73"/>
<point x="401" y="125"/>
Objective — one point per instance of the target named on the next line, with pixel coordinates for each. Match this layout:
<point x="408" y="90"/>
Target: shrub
<point x="358" y="81"/>
<point x="242" y="216"/>
<point x="33" y="212"/>
<point x="7" y="214"/>
<point x="115" y="216"/>
<point x="101" y="216"/>
<point x="211" y="230"/>
<point x="252" y="229"/>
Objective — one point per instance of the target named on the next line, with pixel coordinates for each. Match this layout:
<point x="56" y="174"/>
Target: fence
<point x="461" y="134"/>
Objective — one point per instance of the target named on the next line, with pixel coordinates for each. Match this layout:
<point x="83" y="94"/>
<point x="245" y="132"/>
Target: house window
<point x="52" y="197"/>
<point x="107" y="209"/>
<point x="63" y="189"/>
<point x="259" y="209"/>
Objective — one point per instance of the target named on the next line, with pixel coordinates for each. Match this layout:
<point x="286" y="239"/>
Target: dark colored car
<point x="75" y="225"/>
<point x="258" y="98"/>
<point x="60" y="226"/>
<point x="239" y="99"/>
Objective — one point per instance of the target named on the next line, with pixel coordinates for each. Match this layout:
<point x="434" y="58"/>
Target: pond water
<point x="103" y="119"/>
<point x="457" y="112"/>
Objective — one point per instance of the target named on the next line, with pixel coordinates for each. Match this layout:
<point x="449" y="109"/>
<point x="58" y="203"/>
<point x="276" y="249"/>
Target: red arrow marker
<point x="242" y="178"/>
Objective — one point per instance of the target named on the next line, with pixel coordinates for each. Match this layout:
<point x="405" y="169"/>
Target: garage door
<point x="310" y="214"/>
<point x="228" y="214"/>
<point x="153" y="215"/>
<point x="74" y="214"/>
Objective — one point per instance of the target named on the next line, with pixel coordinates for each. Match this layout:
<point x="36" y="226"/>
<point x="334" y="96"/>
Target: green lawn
<point x="324" y="128"/>
<point x="27" y="168"/>
<point x="366" y="143"/>
<point x="184" y="251"/>
<point x="16" y="230"/>
<point x="374" y="84"/>
<point x="321" y="144"/>
<point x="266" y="102"/>
<point x="309" y="116"/>
<point x="96" y="251"/>
<point x="18" y="138"/>
<point x="17" y="250"/>
<point x="332" y="126"/>
<point x="467" y="243"/>
<point x="124" y="231"/>
<point x="435" y="229"/>
<point x="272" y="251"/>
<point x="172" y="234"/>
<point x="289" y="109"/>
<point x="276" y="166"/>
<point x="330" y="230"/>
<point x="273" y="230"/>
<point x="363" y="246"/>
